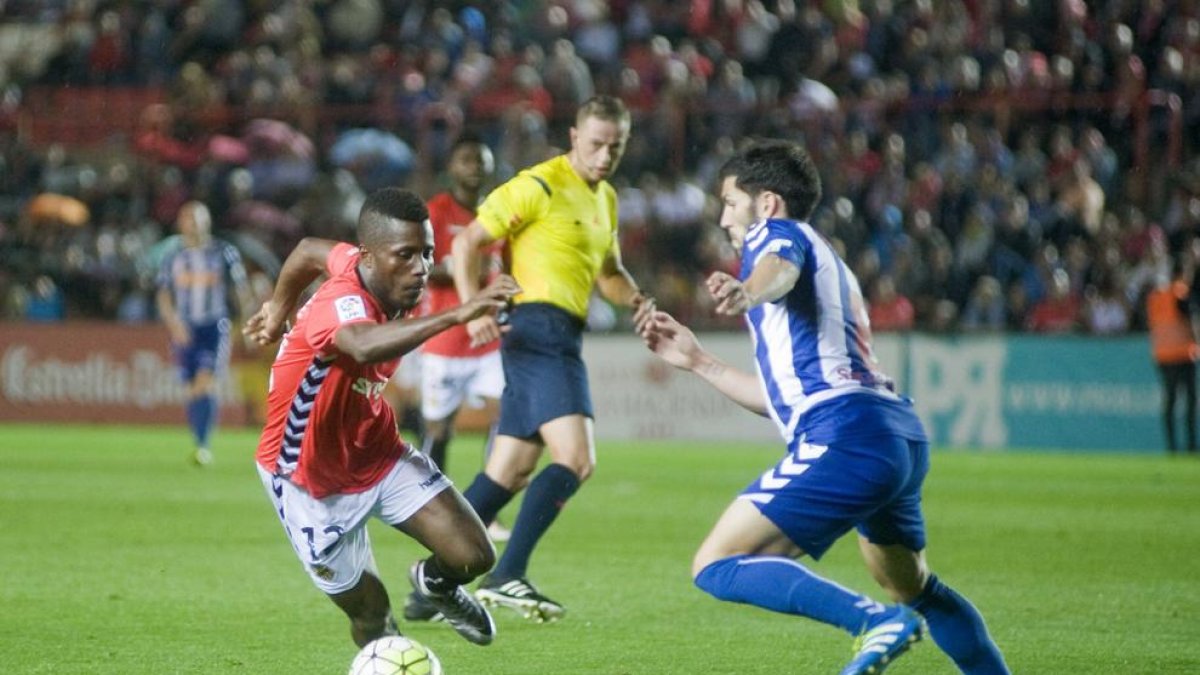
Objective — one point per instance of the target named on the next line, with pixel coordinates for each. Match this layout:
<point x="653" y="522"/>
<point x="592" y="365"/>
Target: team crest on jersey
<point x="350" y="307"/>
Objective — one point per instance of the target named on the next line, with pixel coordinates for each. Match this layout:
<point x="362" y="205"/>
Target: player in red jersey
<point x="330" y="455"/>
<point x="453" y="372"/>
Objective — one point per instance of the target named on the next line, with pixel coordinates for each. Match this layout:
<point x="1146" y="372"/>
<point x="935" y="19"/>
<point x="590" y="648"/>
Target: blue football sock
<point x="487" y="497"/>
<point x="545" y="498"/>
<point x="208" y="418"/>
<point x="201" y="415"/>
<point x="958" y="629"/>
<point x="784" y="585"/>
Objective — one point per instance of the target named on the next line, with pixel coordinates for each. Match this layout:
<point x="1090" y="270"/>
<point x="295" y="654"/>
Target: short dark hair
<point x="467" y="137"/>
<point x="386" y="205"/>
<point x="607" y="108"/>
<point x="782" y="167"/>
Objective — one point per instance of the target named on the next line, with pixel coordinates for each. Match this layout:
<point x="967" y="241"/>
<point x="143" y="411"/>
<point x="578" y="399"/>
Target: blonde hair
<point x="608" y="108"/>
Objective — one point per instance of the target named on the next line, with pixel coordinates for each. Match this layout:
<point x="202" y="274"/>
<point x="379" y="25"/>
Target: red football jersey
<point x="328" y="427"/>
<point x="448" y="218"/>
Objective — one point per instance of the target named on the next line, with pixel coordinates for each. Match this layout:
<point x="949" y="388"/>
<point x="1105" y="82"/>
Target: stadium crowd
<point x="987" y="164"/>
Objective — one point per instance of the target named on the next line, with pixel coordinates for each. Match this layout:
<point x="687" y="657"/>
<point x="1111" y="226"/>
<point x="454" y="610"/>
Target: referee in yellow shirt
<point x="560" y="220"/>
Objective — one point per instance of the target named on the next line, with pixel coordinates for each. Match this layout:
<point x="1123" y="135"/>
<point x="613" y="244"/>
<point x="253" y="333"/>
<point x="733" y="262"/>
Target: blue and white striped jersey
<point x="199" y="281"/>
<point x="812" y="347"/>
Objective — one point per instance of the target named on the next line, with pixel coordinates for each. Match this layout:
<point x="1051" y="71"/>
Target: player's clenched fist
<point x="729" y="293"/>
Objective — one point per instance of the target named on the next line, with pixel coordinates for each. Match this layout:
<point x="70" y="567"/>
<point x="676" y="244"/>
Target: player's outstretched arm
<point x="304" y="264"/>
<point x="676" y="344"/>
<point x="377" y="342"/>
<point x="483" y="304"/>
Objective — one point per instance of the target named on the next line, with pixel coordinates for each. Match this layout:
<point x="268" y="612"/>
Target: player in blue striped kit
<point x="857" y="453"/>
<point x="195" y="284"/>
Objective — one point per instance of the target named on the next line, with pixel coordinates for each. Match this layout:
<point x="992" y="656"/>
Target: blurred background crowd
<point x="989" y="165"/>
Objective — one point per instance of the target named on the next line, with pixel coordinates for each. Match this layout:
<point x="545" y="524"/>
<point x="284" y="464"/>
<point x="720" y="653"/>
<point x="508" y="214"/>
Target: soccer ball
<point x="395" y="655"/>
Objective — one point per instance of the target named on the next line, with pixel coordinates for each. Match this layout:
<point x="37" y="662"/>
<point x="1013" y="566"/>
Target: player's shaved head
<point x="781" y="167"/>
<point x="383" y="208"/>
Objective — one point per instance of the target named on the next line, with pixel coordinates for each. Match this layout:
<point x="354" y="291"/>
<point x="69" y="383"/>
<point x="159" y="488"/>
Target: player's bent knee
<point x="706" y="557"/>
<point x="484" y="560"/>
<point x="511" y="478"/>
<point x="714" y="577"/>
<point x="714" y="549"/>
<point x="472" y="559"/>
<point x="583" y="471"/>
<point x="579" y="464"/>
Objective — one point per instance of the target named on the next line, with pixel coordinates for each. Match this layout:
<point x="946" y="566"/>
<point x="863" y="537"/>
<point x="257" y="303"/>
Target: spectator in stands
<point x="1105" y="309"/>
<point x="1029" y="165"/>
<point x="1016" y="306"/>
<point x="985" y="309"/>
<point x="866" y="81"/>
<point x="1058" y="312"/>
<point x="567" y="77"/>
<point x="729" y="101"/>
<point x="889" y="310"/>
<point x="1137" y="234"/>
<point x="1144" y="275"/>
<point x="44" y="302"/>
<point x="1080" y="201"/>
<point x="156" y="140"/>
<point x="676" y="208"/>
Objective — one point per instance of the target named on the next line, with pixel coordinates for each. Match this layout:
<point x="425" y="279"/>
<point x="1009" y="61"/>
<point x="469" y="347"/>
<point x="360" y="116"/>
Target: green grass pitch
<point x="120" y="558"/>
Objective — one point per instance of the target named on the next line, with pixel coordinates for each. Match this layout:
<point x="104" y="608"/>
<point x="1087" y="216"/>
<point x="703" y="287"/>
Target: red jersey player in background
<point x="330" y="455"/>
<point x="454" y="373"/>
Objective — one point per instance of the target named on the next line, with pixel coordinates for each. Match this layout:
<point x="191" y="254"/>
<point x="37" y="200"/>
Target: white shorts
<point x="330" y="534"/>
<point x="408" y="375"/>
<point x="449" y="381"/>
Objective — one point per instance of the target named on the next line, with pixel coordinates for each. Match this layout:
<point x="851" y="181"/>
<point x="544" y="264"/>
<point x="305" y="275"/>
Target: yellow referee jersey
<point x="559" y="231"/>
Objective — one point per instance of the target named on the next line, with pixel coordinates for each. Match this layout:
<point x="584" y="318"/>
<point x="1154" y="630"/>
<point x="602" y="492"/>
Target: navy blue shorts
<point x="544" y="375"/>
<point x="873" y="483"/>
<point x="208" y="350"/>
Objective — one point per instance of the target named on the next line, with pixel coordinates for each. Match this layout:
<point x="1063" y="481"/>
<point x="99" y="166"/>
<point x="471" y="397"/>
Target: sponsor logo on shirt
<point x="372" y="389"/>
